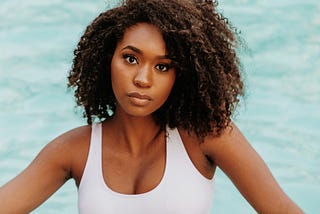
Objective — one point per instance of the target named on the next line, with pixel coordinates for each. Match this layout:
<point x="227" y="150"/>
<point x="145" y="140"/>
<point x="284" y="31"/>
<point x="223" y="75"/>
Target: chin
<point x="139" y="112"/>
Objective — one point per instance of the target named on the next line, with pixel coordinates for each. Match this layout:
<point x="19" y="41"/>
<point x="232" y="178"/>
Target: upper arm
<point x="234" y="155"/>
<point x="46" y="173"/>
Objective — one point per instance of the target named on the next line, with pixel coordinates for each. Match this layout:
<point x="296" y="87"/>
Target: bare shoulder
<point x="231" y="140"/>
<point x="72" y="149"/>
<point x="64" y="154"/>
<point x="214" y="146"/>
<point x="70" y="141"/>
<point x="230" y="133"/>
<point x="74" y="136"/>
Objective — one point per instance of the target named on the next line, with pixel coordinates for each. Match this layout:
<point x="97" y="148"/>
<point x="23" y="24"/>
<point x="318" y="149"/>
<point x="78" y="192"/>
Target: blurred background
<point x="279" y="114"/>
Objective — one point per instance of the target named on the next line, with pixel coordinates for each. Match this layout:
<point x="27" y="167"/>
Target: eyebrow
<point x="137" y="50"/>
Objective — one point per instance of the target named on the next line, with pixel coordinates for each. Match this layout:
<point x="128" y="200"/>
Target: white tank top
<point x="182" y="190"/>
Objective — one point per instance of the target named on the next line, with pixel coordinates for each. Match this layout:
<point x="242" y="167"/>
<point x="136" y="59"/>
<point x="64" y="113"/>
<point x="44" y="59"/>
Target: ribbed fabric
<point x="182" y="190"/>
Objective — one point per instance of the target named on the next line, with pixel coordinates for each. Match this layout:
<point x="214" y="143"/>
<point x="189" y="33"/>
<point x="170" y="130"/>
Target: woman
<point x="159" y="81"/>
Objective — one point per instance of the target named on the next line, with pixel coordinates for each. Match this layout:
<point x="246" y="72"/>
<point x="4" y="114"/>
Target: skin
<point x="133" y="156"/>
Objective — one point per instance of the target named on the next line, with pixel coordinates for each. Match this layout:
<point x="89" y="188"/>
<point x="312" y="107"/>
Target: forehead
<point x="144" y="35"/>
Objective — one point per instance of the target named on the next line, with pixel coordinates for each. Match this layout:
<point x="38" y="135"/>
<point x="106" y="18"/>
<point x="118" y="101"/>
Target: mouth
<point x="138" y="99"/>
<point x="139" y="96"/>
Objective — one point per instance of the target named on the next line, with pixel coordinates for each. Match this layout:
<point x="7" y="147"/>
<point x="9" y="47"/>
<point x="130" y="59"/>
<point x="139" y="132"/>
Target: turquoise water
<point x="280" y="114"/>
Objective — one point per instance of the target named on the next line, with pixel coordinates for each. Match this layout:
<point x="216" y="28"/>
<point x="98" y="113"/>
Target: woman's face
<point x="141" y="72"/>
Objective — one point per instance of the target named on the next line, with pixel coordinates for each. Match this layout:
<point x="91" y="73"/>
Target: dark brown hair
<point x="201" y="44"/>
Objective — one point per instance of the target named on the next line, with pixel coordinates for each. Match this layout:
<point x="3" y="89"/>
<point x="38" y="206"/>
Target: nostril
<point x="143" y="78"/>
<point x="142" y="83"/>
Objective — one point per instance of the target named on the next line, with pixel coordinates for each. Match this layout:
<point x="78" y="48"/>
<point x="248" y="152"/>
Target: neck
<point x="136" y="134"/>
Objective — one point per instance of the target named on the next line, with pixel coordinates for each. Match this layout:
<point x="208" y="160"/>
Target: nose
<point x="143" y="77"/>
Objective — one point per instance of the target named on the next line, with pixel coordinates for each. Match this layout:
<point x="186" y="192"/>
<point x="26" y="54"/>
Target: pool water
<point x="279" y="115"/>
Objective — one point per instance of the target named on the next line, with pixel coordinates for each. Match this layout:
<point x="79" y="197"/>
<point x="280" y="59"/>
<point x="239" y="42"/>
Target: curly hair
<point x="199" y="40"/>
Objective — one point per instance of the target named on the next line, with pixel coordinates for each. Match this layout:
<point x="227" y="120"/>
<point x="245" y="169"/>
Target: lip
<point x="138" y="99"/>
<point x="139" y="96"/>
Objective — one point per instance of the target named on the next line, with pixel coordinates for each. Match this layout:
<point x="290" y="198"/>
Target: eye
<point x="163" y="67"/>
<point x="130" y="59"/>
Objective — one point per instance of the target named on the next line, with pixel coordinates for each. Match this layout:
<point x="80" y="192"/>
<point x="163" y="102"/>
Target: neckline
<point x="144" y="194"/>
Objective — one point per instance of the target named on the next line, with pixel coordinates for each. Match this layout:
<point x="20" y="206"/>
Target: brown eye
<point x="130" y="59"/>
<point x="162" y="67"/>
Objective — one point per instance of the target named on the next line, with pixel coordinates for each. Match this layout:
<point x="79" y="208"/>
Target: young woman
<point x="159" y="81"/>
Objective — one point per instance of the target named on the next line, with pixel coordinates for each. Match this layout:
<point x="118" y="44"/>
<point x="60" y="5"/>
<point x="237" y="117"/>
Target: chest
<point x="167" y="181"/>
<point x="128" y="174"/>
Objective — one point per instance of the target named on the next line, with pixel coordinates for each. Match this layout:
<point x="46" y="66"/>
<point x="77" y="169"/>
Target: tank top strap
<point x="178" y="158"/>
<point x="93" y="164"/>
<point x="96" y="140"/>
<point x="177" y="153"/>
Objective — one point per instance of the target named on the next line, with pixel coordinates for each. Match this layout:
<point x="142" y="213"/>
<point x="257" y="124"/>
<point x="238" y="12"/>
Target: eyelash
<point x="129" y="57"/>
<point x="167" y="67"/>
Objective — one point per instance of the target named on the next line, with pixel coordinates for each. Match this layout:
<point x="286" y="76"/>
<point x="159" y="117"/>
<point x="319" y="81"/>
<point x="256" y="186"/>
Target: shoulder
<point x="216" y="147"/>
<point x="231" y="141"/>
<point x="77" y="134"/>
<point x="71" y="140"/>
<point x="69" y="150"/>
